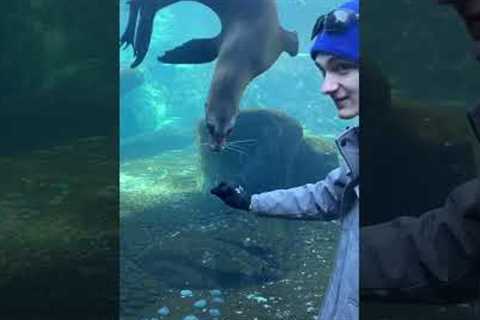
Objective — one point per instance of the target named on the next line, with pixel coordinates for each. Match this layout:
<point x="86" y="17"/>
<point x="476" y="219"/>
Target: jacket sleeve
<point x="311" y="201"/>
<point x="426" y="256"/>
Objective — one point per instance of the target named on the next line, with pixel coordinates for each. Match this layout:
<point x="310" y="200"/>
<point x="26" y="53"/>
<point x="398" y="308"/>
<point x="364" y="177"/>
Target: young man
<point x="336" y="54"/>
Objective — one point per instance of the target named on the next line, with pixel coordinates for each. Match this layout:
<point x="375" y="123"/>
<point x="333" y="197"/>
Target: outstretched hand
<point x="232" y="195"/>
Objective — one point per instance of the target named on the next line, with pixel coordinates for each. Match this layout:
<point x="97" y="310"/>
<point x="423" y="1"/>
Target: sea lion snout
<point x="217" y="143"/>
<point x="217" y="147"/>
<point x="218" y="136"/>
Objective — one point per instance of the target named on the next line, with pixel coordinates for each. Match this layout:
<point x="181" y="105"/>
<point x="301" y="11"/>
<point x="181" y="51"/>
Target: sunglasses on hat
<point x="336" y="21"/>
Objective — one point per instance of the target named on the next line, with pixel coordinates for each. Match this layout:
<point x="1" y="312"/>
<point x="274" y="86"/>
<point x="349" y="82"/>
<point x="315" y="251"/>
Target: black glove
<point x="232" y="195"/>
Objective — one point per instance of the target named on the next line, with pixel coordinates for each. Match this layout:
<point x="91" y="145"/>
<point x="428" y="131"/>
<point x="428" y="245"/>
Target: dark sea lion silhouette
<point x="469" y="11"/>
<point x="250" y="41"/>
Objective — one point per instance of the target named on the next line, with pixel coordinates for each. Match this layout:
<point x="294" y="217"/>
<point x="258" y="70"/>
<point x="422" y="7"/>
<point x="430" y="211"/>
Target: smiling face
<point x="341" y="83"/>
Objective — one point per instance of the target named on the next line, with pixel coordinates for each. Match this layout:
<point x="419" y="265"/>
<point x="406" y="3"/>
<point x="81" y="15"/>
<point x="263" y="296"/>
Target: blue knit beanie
<point x="345" y="44"/>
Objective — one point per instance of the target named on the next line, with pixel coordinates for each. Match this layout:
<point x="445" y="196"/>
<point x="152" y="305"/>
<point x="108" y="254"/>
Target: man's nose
<point x="329" y="84"/>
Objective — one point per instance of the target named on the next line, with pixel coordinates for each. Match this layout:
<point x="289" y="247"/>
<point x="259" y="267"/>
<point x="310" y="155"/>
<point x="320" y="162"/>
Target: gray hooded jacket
<point x="335" y="197"/>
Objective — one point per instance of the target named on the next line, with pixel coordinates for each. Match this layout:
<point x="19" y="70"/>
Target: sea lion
<point x="250" y="41"/>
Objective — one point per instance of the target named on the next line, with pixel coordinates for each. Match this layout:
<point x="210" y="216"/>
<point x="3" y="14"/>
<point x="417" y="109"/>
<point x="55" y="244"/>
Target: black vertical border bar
<point x="59" y="82"/>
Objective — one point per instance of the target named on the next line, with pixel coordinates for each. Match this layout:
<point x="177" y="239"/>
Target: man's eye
<point x="342" y="67"/>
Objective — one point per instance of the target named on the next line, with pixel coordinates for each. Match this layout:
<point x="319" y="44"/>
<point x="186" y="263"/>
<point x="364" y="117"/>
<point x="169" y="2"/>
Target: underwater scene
<point x="183" y="253"/>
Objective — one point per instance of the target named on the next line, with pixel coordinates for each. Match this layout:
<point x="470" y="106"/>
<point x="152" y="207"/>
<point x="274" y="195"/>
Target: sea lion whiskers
<point x="236" y="147"/>
<point x="229" y="147"/>
<point x="247" y="142"/>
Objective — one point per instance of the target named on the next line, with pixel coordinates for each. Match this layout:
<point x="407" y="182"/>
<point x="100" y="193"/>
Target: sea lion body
<point x="250" y="42"/>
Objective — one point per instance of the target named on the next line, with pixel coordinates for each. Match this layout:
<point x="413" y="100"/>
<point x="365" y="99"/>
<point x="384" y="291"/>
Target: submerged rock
<point x="257" y="297"/>
<point x="200" y="304"/>
<point x="186" y="293"/>
<point x="270" y="147"/>
<point x="218" y="300"/>
<point x="314" y="159"/>
<point x="164" y="311"/>
<point x="215" y="293"/>
<point x="214" y="312"/>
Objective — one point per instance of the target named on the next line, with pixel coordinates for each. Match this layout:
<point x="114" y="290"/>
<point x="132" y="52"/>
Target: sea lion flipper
<point x="143" y="34"/>
<point x="128" y="36"/>
<point x="194" y="51"/>
<point x="290" y="42"/>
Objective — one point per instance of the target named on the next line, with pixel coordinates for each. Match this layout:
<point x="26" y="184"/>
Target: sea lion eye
<point x="229" y="131"/>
